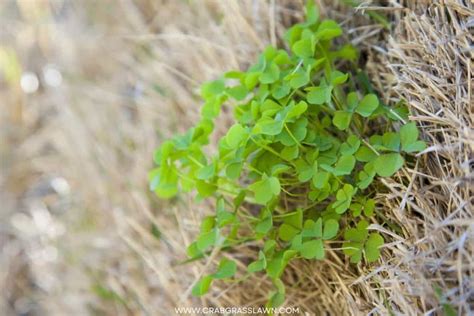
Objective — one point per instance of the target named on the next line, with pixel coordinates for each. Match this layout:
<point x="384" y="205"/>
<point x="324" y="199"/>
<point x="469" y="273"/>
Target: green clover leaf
<point x="386" y="165"/>
<point x="343" y="198"/>
<point x="342" y="119"/>
<point x="202" y="286"/>
<point x="265" y="189"/>
<point x="226" y="269"/>
<point x="409" y="138"/>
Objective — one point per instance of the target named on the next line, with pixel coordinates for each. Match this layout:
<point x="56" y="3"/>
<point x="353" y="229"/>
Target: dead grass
<point x="131" y="70"/>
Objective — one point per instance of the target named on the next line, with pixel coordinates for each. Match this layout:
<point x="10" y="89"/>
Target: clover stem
<point x="297" y="67"/>
<point x="328" y="63"/>
<point x="398" y="116"/>
<point x="338" y="180"/>
<point x="195" y="161"/>
<point x="255" y="170"/>
<point x="290" y="194"/>
<point x="270" y="150"/>
<point x="181" y="175"/>
<point x="371" y="147"/>
<point x="292" y="136"/>
<point x="336" y="100"/>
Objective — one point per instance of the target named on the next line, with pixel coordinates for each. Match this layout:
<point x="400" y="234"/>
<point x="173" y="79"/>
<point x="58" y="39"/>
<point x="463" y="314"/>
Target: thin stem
<point x="270" y="150"/>
<point x="370" y="146"/>
<point x="293" y="136"/>
<point x="195" y="161"/>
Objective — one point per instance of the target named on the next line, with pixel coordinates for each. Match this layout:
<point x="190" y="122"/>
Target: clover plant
<point x="296" y="168"/>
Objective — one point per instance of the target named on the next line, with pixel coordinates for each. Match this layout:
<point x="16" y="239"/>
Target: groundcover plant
<point x="297" y="168"/>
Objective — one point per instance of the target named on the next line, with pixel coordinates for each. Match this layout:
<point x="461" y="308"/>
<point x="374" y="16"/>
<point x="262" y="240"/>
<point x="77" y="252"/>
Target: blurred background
<point x="88" y="89"/>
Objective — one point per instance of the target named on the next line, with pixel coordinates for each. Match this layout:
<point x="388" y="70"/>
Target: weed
<point x="296" y="168"/>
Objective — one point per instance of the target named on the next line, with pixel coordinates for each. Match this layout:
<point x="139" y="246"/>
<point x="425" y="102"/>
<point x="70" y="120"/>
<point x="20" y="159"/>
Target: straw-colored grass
<point x="79" y="227"/>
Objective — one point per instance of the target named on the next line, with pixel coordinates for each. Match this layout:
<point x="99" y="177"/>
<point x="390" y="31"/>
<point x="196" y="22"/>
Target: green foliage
<point x="298" y="166"/>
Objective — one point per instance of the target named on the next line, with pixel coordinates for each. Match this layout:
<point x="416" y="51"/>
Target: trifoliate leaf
<point x="398" y="113"/>
<point x="269" y="108"/>
<point x="350" y="146"/>
<point x="296" y="242"/>
<point x="202" y="287"/>
<point x="293" y="133"/>
<point x="344" y="165"/>
<point x="365" y="154"/>
<point x="165" y="182"/>
<point x="234" y="74"/>
<point x="293" y="34"/>
<point x="408" y="134"/>
<point x="358" y="233"/>
<point x="391" y="141"/>
<point x="204" y="188"/>
<point x="270" y="74"/>
<point x="212" y="88"/>
<point x="233" y="170"/>
<point x="297" y="109"/>
<point x="280" y="91"/>
<point x="269" y="53"/>
<point x="313" y="229"/>
<point x="353" y="250"/>
<point x="276" y="299"/>
<point x="331" y="227"/>
<point x="313" y="249"/>
<point x="338" y="77"/>
<point x="290" y="153"/>
<point x="206" y="240"/>
<point x="409" y="138"/>
<point x="319" y="95"/>
<point x="299" y="79"/>
<point x="356" y="209"/>
<point x="352" y="101"/>
<point x="304" y="48"/>
<point x="342" y="119"/>
<point x="320" y="179"/>
<point x="192" y="251"/>
<point x="269" y="247"/>
<point x="366" y="176"/>
<point x="276" y="266"/>
<point x="264" y="225"/>
<point x="286" y="232"/>
<point x="343" y="199"/>
<point x="415" y="147"/>
<point x="206" y="172"/>
<point x="295" y="219"/>
<point x="376" y="141"/>
<point x="281" y="57"/>
<point x="225" y="218"/>
<point x="304" y="170"/>
<point x="207" y="224"/>
<point x="268" y="126"/>
<point x="258" y="265"/>
<point x="328" y="29"/>
<point x="372" y="245"/>
<point x="386" y="165"/>
<point x="226" y="269"/>
<point x="236" y="134"/>
<point x="367" y="105"/>
<point x="251" y="79"/>
<point x="238" y="92"/>
<point x="369" y="207"/>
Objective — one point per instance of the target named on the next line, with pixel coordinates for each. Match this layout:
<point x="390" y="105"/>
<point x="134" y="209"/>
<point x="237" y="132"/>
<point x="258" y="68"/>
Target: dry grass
<point x="76" y="212"/>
